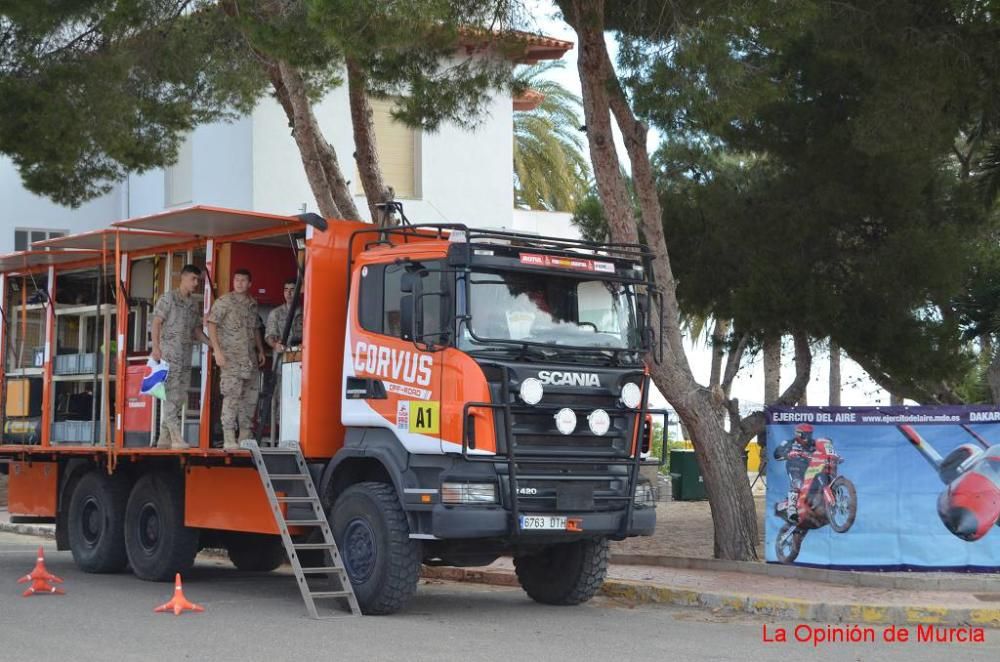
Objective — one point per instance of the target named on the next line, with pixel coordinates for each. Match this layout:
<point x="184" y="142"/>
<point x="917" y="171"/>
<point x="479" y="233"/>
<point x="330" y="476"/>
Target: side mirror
<point x="406" y="319"/>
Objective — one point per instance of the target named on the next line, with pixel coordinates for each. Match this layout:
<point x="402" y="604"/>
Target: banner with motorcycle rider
<point x="884" y="487"/>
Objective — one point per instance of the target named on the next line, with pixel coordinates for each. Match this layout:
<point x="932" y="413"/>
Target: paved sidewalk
<point x="772" y="596"/>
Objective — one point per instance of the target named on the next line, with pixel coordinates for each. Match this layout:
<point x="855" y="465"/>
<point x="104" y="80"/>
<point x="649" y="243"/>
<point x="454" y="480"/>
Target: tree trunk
<point x="993" y="370"/>
<point x="366" y="148"/>
<point x="291" y="93"/>
<point x="719" y="333"/>
<point x="772" y="368"/>
<point x="834" y="374"/>
<point x="721" y="460"/>
<point x="895" y="400"/>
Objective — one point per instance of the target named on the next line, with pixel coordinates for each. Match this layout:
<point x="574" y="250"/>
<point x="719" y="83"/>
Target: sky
<point x="857" y="388"/>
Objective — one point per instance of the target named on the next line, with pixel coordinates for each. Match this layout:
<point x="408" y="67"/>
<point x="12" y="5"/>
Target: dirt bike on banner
<point x="824" y="497"/>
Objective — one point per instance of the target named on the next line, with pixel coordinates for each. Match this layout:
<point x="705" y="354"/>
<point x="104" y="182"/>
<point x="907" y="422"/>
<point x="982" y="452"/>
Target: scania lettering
<point x="457" y="395"/>
<point x="569" y="378"/>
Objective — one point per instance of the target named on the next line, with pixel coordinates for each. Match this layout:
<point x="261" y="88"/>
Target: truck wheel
<point x="156" y="539"/>
<point x="373" y="536"/>
<point x="564" y="574"/>
<point x="255" y="552"/>
<point x="96" y="522"/>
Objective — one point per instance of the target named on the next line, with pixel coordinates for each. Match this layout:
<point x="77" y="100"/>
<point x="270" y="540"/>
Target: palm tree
<point x="550" y="170"/>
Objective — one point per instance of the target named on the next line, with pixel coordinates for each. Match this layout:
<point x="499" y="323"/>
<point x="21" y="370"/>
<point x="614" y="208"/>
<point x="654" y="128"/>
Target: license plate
<point x="543" y="522"/>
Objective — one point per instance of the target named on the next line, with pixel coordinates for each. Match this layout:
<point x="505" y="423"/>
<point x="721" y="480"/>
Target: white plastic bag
<point x="155" y="380"/>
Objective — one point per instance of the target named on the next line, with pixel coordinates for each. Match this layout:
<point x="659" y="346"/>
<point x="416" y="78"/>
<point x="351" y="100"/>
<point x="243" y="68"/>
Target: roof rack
<point x="425" y="231"/>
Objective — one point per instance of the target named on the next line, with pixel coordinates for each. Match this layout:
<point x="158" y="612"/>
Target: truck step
<point x="327" y="570"/>
<point x="288" y="477"/>
<point x="296" y="499"/>
<point x="305" y="522"/>
<point x="312" y="545"/>
<point x="331" y="594"/>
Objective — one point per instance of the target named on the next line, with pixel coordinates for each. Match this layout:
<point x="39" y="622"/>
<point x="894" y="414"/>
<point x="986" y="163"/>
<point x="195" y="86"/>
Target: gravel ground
<point x="683" y="528"/>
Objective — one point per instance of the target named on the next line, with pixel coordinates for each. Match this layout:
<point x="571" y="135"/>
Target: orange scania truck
<point x="458" y="394"/>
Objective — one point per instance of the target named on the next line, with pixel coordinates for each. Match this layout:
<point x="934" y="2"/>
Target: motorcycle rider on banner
<point x="796" y="452"/>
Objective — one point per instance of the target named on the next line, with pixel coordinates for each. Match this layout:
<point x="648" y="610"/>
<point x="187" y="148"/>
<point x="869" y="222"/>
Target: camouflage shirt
<point x="181" y="316"/>
<point x="238" y="321"/>
<point x="276" y="323"/>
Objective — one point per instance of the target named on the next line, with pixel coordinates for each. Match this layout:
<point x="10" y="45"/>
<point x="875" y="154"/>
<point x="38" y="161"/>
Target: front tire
<point x="254" y="552"/>
<point x="96" y="522"/>
<point x="564" y="574"/>
<point x="789" y="543"/>
<point x="158" y="543"/>
<point x="373" y="537"/>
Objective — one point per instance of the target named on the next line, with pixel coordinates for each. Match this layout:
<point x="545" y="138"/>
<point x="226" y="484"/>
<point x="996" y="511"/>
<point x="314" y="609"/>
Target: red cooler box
<point x="138" y="417"/>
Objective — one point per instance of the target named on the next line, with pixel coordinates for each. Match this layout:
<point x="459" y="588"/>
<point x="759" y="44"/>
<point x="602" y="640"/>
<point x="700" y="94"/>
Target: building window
<point x="177" y="179"/>
<point x="24" y="237"/>
<point x="398" y="152"/>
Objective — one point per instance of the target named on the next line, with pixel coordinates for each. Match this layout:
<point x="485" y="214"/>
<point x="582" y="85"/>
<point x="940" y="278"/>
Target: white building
<point x="452" y="175"/>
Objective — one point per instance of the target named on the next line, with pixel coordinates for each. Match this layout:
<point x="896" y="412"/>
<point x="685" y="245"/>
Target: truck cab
<point x="499" y="379"/>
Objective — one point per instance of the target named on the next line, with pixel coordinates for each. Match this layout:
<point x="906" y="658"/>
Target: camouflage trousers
<point x="176" y="386"/>
<point x="239" y="402"/>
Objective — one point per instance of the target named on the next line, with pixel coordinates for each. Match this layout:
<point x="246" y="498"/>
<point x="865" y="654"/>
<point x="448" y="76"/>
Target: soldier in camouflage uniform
<point x="278" y="317"/>
<point x="234" y="329"/>
<point x="176" y="326"/>
<point x="276" y="321"/>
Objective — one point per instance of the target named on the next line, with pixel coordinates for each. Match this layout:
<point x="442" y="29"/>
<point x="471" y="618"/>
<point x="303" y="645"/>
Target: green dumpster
<point x="685" y="476"/>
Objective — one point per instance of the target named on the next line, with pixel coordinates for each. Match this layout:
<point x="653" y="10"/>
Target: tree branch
<point x="752" y="425"/>
<point x="733" y="362"/>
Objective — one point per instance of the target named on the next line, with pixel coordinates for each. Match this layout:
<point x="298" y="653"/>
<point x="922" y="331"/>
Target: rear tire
<point x="373" y="537"/>
<point x="96" y="522"/>
<point x="564" y="574"/>
<point x="255" y="552"/>
<point x="158" y="543"/>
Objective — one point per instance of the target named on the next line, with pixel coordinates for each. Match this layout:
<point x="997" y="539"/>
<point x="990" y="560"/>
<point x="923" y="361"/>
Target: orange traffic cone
<point x="40" y="578"/>
<point x="178" y="603"/>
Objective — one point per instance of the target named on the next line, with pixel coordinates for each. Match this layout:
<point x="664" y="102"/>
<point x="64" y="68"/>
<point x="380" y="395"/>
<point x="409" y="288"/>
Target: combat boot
<point x="177" y="442"/>
<point x="230" y="443"/>
<point x="164" y="440"/>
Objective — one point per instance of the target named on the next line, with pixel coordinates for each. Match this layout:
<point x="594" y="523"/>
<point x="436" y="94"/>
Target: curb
<point x="973" y="582"/>
<point x="763" y="605"/>
<point x="40" y="530"/>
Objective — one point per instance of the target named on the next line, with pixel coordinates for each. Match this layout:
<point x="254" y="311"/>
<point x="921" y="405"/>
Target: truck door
<point x="390" y="382"/>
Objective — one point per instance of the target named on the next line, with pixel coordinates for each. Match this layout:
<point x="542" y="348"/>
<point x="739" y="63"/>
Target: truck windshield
<point x="549" y="309"/>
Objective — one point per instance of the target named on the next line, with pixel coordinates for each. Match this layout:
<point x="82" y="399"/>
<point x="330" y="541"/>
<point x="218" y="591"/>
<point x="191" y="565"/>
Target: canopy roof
<point x="96" y="240"/>
<point x="210" y="222"/>
<point x="27" y="259"/>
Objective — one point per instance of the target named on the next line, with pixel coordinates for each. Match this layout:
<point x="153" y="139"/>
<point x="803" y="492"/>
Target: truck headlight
<point x="599" y="422"/>
<point x="644" y="495"/>
<point x="631" y="395"/>
<point x="468" y="493"/>
<point x="565" y="420"/>
<point x="531" y="391"/>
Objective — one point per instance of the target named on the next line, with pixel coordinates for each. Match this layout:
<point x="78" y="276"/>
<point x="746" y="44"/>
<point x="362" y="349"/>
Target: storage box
<point x="66" y="364"/>
<point x="24" y="397"/>
<point x="73" y="432"/>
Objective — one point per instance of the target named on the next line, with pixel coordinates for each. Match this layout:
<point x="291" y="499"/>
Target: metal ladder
<point x="287" y="466"/>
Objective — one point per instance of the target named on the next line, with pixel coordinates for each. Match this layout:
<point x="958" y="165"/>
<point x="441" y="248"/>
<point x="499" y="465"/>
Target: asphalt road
<point x="260" y="616"/>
